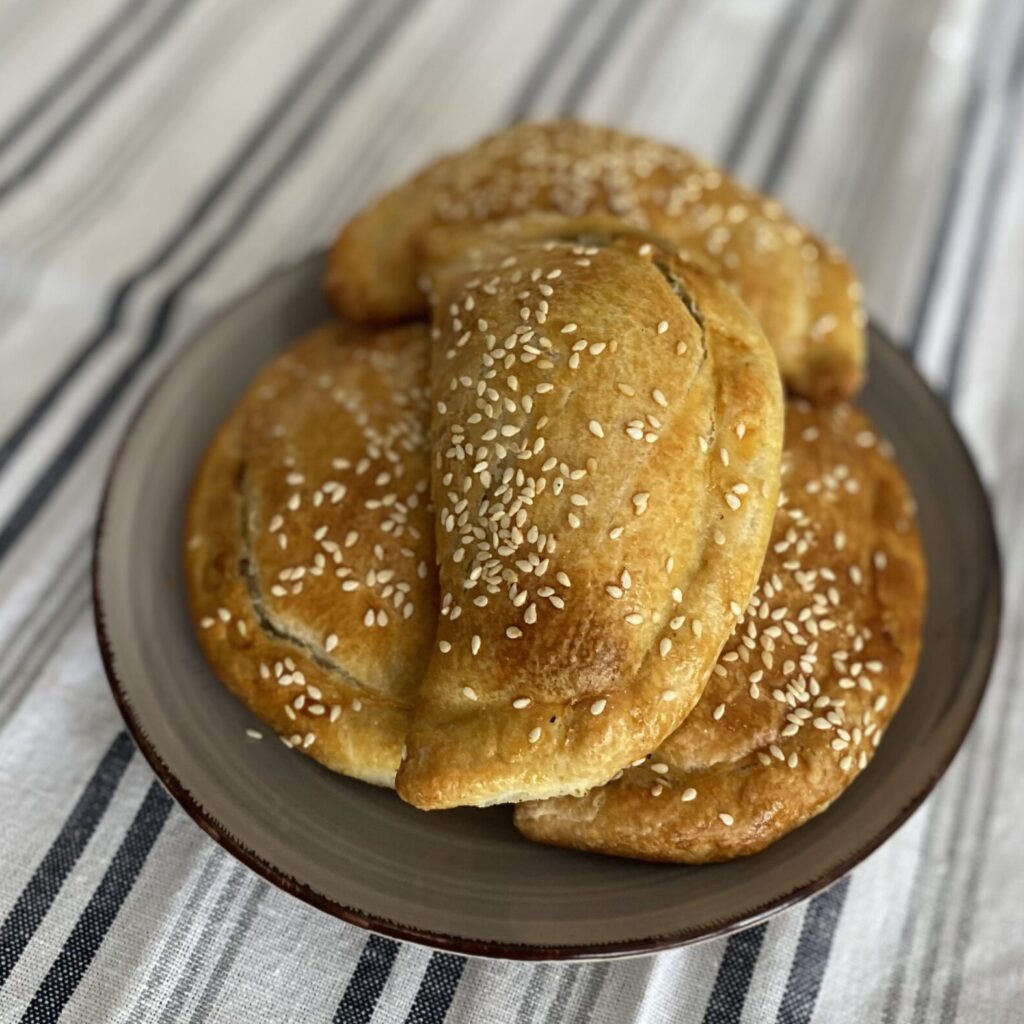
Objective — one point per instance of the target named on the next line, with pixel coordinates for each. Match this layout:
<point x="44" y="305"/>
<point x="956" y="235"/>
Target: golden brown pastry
<point x="607" y="424"/>
<point x="310" y="548"/>
<point x="806" y="299"/>
<point x="807" y="684"/>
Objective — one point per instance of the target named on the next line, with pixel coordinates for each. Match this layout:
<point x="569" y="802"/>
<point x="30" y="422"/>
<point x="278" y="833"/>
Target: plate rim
<point x="486" y="948"/>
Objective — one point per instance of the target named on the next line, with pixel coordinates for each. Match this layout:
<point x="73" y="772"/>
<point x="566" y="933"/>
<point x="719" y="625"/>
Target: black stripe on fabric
<point x="821" y="50"/>
<point x="65" y="459"/>
<point x="965" y="144"/>
<point x="540" y="71"/>
<point x="939" y="243"/>
<point x="156" y="32"/>
<point x="367" y="982"/>
<point x="262" y="132"/>
<point x="437" y="989"/>
<point x="38" y="895"/>
<point x="91" y="928"/>
<point x="584" y="76"/>
<point x="83" y="58"/>
<point x="981" y="243"/>
<point x="735" y="971"/>
<point x="772" y="61"/>
<point x="812" y="954"/>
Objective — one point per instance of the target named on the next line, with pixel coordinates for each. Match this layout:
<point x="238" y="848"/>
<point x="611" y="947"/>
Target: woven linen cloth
<point x="159" y="156"/>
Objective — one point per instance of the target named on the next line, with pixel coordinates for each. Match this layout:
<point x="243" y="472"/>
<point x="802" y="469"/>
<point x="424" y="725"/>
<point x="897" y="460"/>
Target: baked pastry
<point x="605" y="478"/>
<point x="310" y="549"/>
<point x="807" y="684"/>
<point x="806" y="297"/>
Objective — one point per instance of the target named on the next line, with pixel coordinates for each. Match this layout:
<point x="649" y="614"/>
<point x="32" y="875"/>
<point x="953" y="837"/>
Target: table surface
<point x="159" y="156"/>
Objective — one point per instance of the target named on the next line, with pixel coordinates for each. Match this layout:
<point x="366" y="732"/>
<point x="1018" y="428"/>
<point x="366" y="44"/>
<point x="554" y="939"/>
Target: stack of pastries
<point x="569" y="507"/>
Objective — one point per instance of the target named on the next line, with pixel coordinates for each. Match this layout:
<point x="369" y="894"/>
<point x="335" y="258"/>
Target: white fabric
<point x="158" y="157"/>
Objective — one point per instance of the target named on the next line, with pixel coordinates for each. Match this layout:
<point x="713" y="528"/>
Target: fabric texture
<point x="159" y="156"/>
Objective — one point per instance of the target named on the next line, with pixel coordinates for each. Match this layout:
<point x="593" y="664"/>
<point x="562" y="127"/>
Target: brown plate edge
<point x="506" y="950"/>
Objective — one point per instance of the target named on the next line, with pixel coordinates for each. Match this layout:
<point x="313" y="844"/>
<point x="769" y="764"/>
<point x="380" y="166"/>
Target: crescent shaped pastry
<point x="807" y="684"/>
<point x="607" y="424"/>
<point x="310" y="546"/>
<point x="806" y="298"/>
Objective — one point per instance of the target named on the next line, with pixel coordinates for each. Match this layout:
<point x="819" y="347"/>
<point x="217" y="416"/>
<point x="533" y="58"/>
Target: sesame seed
<point x="664" y="646"/>
<point x="513" y="632"/>
<point x="732" y="501"/>
<point x="718" y="712"/>
<point x="658" y="395"/>
<point x="697" y="626"/>
<point x="474" y="644"/>
<point x="331" y="642"/>
<point x="598" y="706"/>
<point x="688" y="794"/>
<point x="662" y="326"/>
<point x="569" y="328"/>
<point x="444" y="646"/>
<point x="521" y="702"/>
<point x="669" y="695"/>
<point x="534" y="734"/>
<point x="659" y="767"/>
<point x="726" y="819"/>
<point x="595" y="428"/>
<point x="469" y="693"/>
<point x="254" y="734"/>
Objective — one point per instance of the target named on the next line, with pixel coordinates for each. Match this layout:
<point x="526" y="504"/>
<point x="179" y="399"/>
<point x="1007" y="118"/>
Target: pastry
<point x="310" y="549"/>
<point x="807" y="684"/>
<point x="605" y="477"/>
<point x="805" y="297"/>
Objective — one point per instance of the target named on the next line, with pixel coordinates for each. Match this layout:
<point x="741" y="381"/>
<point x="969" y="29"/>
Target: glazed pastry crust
<point x="806" y="685"/>
<point x="806" y="299"/>
<point x="605" y="479"/>
<point x="309" y="546"/>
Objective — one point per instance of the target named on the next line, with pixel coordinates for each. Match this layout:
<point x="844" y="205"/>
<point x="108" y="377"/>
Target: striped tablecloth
<point x="158" y="156"/>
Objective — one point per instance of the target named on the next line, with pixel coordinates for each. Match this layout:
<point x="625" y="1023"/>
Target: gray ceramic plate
<point x="465" y="880"/>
